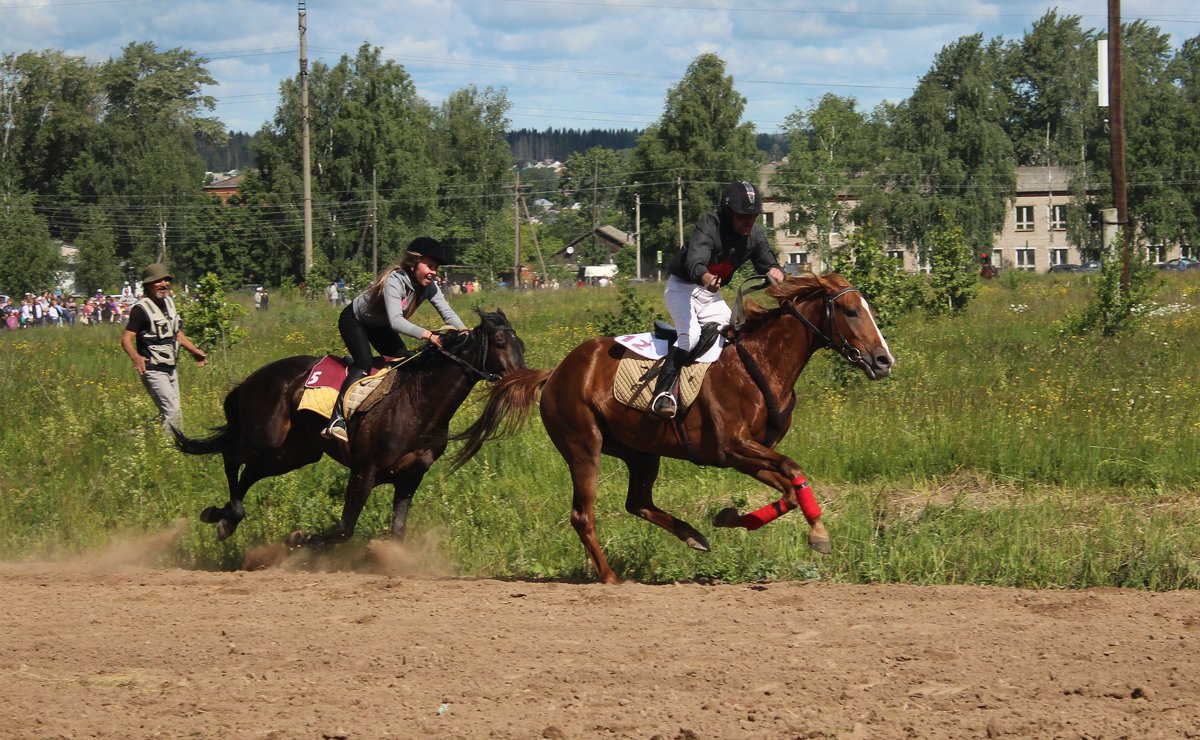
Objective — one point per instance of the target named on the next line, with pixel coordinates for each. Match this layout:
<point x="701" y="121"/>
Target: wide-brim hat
<point x="427" y="246"/>
<point x="154" y="272"/>
<point x="742" y="197"/>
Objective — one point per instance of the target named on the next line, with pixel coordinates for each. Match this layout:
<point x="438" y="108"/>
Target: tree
<point x="472" y="162"/>
<point x="953" y="276"/>
<point x="96" y="265"/>
<point x="29" y="258"/>
<point x="834" y="150"/>
<point x="699" y="141"/>
<point x="951" y="153"/>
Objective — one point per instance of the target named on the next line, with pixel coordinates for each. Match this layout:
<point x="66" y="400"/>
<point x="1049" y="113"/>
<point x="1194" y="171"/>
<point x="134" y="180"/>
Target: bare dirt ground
<point x="103" y="647"/>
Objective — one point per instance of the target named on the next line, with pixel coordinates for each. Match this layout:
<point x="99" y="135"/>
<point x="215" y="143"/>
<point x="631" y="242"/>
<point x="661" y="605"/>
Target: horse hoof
<point x="224" y="530"/>
<point x="727" y="517"/>
<point x="697" y="542"/>
<point x="819" y="543"/>
<point x="296" y="540"/>
<point x="211" y="515"/>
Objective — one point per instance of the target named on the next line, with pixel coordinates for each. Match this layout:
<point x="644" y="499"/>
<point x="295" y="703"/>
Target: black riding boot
<point x="337" y="421"/>
<point x="664" y="403"/>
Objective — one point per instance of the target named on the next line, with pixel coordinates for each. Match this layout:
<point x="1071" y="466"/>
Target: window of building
<point x="1058" y="217"/>
<point x="1156" y="253"/>
<point x="794" y="225"/>
<point x="1188" y="252"/>
<point x="769" y="220"/>
<point x="996" y="257"/>
<point x="1025" y="259"/>
<point x="797" y="258"/>
<point x="1024" y="218"/>
<point x="1058" y="256"/>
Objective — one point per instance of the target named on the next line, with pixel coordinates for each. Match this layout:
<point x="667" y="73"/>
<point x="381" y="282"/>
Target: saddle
<point x="633" y="384"/>
<point x="323" y="383"/>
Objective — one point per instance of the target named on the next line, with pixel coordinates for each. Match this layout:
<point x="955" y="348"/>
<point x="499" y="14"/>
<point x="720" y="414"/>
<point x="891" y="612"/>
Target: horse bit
<point x="842" y="346"/>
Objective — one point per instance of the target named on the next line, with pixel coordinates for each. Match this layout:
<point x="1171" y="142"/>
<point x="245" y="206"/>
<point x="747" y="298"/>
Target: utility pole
<point x="162" y="240"/>
<point x="679" y="202"/>
<point x="374" y="224"/>
<point x="637" y="229"/>
<point x="517" y="232"/>
<point x="1116" y="127"/>
<point x="533" y="232"/>
<point x="304" y="162"/>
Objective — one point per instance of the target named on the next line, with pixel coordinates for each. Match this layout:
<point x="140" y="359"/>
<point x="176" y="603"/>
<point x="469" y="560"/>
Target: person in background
<point x="720" y="243"/>
<point x="258" y="298"/>
<point x="152" y="339"/>
<point x="379" y="317"/>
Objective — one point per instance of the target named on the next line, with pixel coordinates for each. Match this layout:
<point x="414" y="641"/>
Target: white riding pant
<point x="691" y="305"/>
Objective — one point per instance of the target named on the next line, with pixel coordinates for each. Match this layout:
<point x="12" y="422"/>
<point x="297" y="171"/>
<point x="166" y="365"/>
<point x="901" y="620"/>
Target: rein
<point x="471" y="369"/>
<point x="776" y="417"/>
<point x="843" y="347"/>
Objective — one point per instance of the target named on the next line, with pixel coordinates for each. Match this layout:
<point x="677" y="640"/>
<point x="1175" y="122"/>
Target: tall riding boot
<point x="337" y="420"/>
<point x="664" y="403"/>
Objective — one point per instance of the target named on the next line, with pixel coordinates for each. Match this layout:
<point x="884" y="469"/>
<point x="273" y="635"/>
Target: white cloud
<point x="622" y="55"/>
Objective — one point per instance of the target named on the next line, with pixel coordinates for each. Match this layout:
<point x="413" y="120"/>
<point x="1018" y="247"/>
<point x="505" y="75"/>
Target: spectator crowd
<point x="53" y="308"/>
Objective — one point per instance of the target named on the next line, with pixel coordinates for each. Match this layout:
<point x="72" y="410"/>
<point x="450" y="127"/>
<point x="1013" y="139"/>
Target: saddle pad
<point x="321" y="398"/>
<point x="629" y="389"/>
<point x="653" y="348"/>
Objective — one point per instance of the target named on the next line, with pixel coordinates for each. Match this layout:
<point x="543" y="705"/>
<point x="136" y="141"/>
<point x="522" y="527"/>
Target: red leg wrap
<point x="768" y="513"/>
<point x="808" y="502"/>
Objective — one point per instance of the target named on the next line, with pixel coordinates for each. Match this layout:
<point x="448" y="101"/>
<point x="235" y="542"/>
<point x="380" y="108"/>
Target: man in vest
<point x="152" y="338"/>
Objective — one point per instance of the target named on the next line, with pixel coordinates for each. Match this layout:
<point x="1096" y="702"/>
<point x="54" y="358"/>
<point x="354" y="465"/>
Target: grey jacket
<point x="398" y="293"/>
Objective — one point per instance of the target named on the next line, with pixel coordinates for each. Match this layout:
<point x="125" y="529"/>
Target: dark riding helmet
<point x="427" y="246"/>
<point x="742" y="197"/>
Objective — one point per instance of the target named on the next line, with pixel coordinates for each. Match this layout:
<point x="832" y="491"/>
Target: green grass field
<point x="998" y="452"/>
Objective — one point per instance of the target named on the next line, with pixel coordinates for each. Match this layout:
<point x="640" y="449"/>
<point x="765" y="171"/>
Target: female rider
<point x="379" y="317"/>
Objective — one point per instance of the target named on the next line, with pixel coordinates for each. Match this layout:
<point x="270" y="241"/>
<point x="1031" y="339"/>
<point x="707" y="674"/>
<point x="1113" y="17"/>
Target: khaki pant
<point x="163" y="387"/>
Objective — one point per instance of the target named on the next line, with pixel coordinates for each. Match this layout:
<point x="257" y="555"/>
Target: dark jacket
<point x="715" y="247"/>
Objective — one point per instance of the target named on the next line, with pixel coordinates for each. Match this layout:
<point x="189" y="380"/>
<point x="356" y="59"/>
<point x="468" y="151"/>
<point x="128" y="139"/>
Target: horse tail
<point x="223" y="438"/>
<point x="506" y="411"/>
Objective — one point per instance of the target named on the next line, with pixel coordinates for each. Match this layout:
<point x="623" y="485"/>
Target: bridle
<point x="470" y="368"/>
<point x="832" y="336"/>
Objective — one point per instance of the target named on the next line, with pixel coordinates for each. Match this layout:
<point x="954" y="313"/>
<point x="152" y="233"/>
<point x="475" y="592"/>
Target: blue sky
<point x="563" y="63"/>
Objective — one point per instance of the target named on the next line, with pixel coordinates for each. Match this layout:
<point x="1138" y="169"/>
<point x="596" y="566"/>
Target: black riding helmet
<point x="427" y="246"/>
<point x="742" y="197"/>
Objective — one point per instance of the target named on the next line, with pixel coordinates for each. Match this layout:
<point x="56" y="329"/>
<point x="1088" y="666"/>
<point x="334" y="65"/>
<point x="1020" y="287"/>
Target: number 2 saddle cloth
<point x="644" y="351"/>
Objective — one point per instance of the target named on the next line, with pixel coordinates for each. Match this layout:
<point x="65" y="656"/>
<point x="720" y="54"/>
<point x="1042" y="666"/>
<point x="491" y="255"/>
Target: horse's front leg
<point x="405" y="489"/>
<point x="362" y="480"/>
<point x="784" y="475"/>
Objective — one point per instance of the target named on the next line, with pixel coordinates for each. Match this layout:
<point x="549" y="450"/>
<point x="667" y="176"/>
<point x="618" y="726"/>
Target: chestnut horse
<point x="743" y="409"/>
<point x="395" y="441"/>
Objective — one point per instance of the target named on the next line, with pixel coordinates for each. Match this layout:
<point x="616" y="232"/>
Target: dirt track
<point x="99" y="648"/>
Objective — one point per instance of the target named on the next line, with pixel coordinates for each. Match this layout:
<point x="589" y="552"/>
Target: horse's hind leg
<point x="643" y="471"/>
<point x="231" y="514"/>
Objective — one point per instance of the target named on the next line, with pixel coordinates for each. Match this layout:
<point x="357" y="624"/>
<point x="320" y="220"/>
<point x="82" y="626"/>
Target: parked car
<point x="1179" y="263"/>
<point x="1091" y="266"/>
<point x="1066" y="267"/>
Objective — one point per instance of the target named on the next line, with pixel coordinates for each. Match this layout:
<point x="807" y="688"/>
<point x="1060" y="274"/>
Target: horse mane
<point x="795" y="288"/>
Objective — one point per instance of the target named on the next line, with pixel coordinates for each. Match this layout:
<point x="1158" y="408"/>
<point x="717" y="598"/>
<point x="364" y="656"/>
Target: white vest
<point x="157" y="342"/>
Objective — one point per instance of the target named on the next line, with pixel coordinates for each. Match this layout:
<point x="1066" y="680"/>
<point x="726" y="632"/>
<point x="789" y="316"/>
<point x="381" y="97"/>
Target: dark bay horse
<point x="395" y="441"/>
<point x="744" y="408"/>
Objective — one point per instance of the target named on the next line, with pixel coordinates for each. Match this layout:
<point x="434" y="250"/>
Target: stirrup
<point x="664" y="405"/>
<point x="336" y="430"/>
